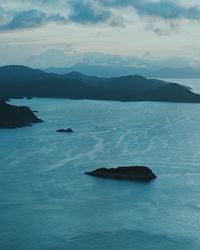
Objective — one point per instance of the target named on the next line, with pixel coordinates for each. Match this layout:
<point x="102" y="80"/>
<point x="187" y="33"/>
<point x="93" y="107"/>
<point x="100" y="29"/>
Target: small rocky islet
<point x="137" y="173"/>
<point x="65" y="130"/>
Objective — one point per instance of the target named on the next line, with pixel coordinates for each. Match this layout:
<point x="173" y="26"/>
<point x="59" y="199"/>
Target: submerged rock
<point x="139" y="173"/>
<point x="65" y="130"/>
<point x="16" y="116"/>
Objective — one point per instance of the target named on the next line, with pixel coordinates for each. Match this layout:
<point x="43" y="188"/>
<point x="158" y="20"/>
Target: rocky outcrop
<point x="138" y="173"/>
<point x="65" y="130"/>
<point x="16" y="116"/>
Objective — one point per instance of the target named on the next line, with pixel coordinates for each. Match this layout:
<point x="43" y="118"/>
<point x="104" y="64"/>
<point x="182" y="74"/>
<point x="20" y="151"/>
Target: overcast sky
<point x="43" y="33"/>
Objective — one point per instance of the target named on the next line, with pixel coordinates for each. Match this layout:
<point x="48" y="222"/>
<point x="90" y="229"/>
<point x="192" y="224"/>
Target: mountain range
<point x="117" y="70"/>
<point x="20" y="81"/>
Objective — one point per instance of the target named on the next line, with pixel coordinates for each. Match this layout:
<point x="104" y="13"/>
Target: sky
<point x="138" y="33"/>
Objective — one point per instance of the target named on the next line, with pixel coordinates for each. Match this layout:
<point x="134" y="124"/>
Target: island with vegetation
<point x="21" y="81"/>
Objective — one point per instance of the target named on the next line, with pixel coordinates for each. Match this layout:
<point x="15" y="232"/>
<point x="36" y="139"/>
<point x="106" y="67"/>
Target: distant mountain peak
<point x="117" y="71"/>
<point x="75" y="73"/>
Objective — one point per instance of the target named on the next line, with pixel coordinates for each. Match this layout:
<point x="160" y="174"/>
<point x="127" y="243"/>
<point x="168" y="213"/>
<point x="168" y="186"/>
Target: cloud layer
<point x="32" y="14"/>
<point x="29" y="19"/>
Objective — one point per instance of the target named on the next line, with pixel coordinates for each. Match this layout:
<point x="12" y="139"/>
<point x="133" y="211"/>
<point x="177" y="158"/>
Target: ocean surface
<point x="47" y="203"/>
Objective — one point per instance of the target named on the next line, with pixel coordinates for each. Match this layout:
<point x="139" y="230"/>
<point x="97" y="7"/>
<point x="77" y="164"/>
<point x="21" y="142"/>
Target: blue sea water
<point x="47" y="203"/>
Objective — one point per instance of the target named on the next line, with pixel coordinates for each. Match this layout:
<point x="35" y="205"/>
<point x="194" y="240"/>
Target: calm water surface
<point x="48" y="203"/>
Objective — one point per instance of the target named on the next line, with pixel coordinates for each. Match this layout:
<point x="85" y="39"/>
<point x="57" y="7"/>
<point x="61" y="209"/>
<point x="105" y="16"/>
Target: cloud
<point x="32" y="14"/>
<point x="67" y="56"/>
<point x="161" y="16"/>
<point x="85" y="12"/>
<point x="54" y="57"/>
<point x="29" y="19"/>
<point x="167" y="10"/>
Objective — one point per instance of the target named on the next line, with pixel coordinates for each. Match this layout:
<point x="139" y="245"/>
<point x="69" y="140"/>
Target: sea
<point x="48" y="203"/>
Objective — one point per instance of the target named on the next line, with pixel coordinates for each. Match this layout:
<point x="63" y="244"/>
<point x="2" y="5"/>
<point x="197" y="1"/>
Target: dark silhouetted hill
<point x="13" y="116"/>
<point x="79" y="86"/>
<point x="16" y="73"/>
<point x="135" y="82"/>
<point x="84" y="78"/>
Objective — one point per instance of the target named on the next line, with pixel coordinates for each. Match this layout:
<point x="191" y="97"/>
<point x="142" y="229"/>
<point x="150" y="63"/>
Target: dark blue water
<point x="48" y="203"/>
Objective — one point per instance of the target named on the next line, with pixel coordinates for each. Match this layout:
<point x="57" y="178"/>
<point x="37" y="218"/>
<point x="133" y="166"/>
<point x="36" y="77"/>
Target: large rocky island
<point x="14" y="116"/>
<point x="138" y="173"/>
